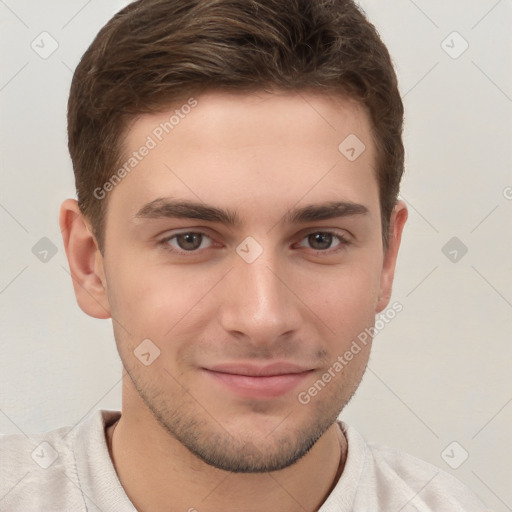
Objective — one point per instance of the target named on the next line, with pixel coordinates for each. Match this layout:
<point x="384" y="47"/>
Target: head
<point x="237" y="166"/>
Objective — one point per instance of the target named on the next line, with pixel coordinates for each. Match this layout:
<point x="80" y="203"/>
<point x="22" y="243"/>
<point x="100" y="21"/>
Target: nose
<point x="258" y="303"/>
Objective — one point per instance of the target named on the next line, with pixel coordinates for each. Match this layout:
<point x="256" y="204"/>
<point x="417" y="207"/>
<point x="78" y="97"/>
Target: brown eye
<point x="325" y="241"/>
<point x="320" y="241"/>
<point x="189" y="241"/>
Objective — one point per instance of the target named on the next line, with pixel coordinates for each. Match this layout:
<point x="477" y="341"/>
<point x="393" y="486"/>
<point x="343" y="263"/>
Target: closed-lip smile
<point x="259" y="381"/>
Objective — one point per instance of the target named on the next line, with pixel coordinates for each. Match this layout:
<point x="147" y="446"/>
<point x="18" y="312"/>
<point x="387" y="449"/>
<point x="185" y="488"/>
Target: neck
<point x="156" y="470"/>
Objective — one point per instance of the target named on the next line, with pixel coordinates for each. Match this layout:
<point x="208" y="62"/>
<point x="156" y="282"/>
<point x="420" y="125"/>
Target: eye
<point x="189" y="241"/>
<point x="323" y="241"/>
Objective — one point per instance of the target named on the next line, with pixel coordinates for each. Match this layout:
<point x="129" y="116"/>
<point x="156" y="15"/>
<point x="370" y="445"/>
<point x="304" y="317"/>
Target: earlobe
<point x="396" y="226"/>
<point x="85" y="261"/>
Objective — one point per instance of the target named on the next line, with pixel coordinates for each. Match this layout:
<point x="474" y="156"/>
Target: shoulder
<point x="390" y="478"/>
<point x="39" y="471"/>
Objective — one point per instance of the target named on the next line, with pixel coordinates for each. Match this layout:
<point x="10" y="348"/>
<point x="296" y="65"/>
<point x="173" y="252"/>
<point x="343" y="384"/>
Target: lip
<point x="253" y="381"/>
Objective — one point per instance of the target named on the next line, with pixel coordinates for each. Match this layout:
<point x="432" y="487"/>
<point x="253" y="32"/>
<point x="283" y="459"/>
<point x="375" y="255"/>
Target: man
<point x="237" y="166"/>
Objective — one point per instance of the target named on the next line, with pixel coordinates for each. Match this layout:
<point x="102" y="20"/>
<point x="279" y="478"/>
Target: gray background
<point x="439" y="373"/>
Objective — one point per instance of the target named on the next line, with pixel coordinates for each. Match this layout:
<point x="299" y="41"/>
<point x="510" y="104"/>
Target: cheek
<point x="345" y="297"/>
<point x="155" y="301"/>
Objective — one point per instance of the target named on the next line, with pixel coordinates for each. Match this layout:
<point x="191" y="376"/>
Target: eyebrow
<point x="181" y="209"/>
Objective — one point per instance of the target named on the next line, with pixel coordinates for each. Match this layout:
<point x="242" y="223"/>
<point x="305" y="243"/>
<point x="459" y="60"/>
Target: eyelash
<point x="343" y="242"/>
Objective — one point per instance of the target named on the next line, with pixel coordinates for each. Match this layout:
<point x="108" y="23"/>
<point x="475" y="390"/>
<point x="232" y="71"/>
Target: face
<point x="246" y="249"/>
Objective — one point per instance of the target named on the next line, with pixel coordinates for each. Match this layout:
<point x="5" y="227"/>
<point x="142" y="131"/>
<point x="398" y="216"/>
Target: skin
<point x="185" y="440"/>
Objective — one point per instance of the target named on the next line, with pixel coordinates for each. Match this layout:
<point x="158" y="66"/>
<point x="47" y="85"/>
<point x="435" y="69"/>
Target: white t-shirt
<point x="70" y="470"/>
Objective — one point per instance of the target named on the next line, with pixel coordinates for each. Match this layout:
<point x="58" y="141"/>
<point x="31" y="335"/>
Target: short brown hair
<point x="154" y="53"/>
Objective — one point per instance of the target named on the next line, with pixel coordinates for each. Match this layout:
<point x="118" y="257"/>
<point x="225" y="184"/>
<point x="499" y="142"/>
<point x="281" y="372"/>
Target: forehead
<point x="258" y="149"/>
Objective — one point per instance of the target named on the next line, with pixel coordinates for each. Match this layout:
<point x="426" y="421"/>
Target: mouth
<point x="263" y="382"/>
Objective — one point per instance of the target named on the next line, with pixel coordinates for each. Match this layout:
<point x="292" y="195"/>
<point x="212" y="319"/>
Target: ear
<point x="85" y="261"/>
<point x="396" y="226"/>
